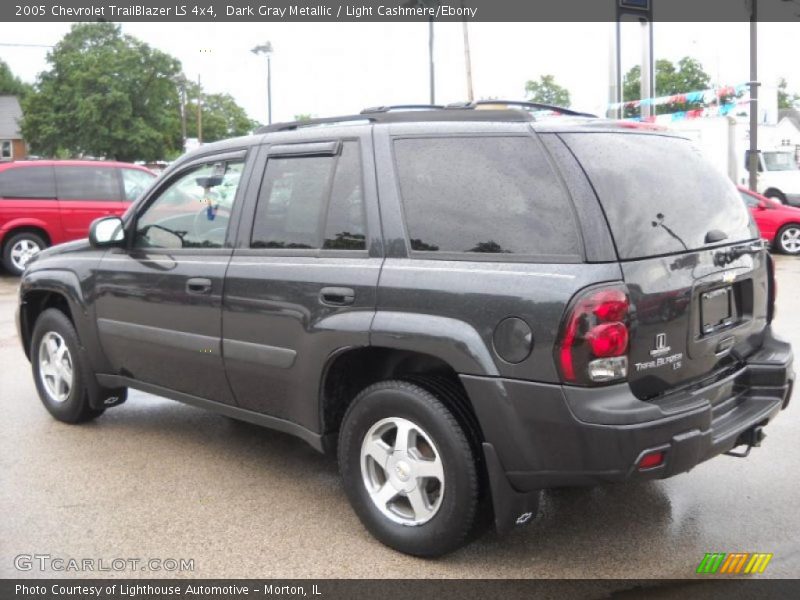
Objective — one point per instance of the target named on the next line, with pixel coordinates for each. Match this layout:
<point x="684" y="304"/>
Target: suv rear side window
<point x="495" y="195"/>
<point x="28" y="182"/>
<point x="87" y="183"/>
<point x="312" y="202"/>
<point x="659" y="194"/>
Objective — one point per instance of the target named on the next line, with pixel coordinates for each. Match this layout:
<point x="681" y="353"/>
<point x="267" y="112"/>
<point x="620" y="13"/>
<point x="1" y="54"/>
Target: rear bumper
<point x="551" y="436"/>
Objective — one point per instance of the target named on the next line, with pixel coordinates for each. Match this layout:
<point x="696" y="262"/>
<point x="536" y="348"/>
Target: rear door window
<point x="484" y="195"/>
<point x="312" y="203"/>
<point x="87" y="183"/>
<point x="28" y="182"/>
<point x="659" y="194"/>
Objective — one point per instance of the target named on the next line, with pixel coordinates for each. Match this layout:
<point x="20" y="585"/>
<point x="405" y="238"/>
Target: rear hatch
<point x="690" y="256"/>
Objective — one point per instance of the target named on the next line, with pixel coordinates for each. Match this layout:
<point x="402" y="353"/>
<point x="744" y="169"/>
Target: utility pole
<point x="431" y="62"/>
<point x="199" y="111"/>
<point x="183" y="112"/>
<point x="468" y="61"/>
<point x="753" y="154"/>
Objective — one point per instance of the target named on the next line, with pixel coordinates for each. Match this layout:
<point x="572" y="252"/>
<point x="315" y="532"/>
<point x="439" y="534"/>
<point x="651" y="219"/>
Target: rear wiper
<point x="727" y="256"/>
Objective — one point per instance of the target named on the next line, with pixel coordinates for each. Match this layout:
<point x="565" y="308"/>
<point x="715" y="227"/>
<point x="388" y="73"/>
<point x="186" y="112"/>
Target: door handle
<point x="198" y="285"/>
<point x="337" y="296"/>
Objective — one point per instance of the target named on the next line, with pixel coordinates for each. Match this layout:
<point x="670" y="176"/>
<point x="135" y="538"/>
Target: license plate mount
<point x="716" y="310"/>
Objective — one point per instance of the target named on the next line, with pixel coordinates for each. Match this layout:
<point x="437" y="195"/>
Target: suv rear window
<point x="659" y="194"/>
<point x="496" y="195"/>
<point x="28" y="182"/>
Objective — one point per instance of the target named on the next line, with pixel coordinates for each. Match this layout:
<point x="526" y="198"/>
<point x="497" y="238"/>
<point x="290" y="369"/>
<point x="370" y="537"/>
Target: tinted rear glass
<point x="27" y="182"/>
<point x="659" y="194"/>
<point x="495" y="195"/>
<point x="87" y="183"/>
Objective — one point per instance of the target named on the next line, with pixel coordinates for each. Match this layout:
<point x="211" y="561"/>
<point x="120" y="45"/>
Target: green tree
<point x="105" y="94"/>
<point x="547" y="91"/>
<point x="303" y="117"/>
<point x="222" y="117"/>
<point x="687" y="76"/>
<point x="785" y="99"/>
<point x="10" y="84"/>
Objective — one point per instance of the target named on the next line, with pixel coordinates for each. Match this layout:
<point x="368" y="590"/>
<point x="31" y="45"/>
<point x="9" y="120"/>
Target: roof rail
<point x="290" y="125"/>
<point x="409" y="113"/>
<point x="524" y="104"/>
<point x="383" y="109"/>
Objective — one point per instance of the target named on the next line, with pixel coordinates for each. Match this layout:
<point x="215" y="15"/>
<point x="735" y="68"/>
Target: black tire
<point x="9" y="262"/>
<point x="776" y="195"/>
<point x="454" y="519"/>
<point x="784" y="239"/>
<point x="75" y="407"/>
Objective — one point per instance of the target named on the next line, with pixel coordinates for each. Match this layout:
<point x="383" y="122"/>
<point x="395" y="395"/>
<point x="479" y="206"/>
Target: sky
<point x="328" y="69"/>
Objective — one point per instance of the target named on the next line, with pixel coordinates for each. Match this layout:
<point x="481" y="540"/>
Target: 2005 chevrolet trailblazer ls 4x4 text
<point x="467" y="305"/>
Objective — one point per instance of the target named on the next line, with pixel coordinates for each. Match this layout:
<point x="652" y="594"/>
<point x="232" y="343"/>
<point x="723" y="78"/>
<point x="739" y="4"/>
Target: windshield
<point x="779" y="161"/>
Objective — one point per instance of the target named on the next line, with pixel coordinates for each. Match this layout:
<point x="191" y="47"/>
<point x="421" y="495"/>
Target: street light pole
<point x="269" y="89"/>
<point x="266" y="49"/>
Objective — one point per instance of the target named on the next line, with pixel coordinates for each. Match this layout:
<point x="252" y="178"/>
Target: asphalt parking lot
<point x="157" y="479"/>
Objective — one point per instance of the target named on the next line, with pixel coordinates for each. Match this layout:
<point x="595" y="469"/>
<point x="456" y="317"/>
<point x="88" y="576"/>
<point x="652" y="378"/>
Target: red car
<point x="47" y="202"/>
<point x="778" y="223"/>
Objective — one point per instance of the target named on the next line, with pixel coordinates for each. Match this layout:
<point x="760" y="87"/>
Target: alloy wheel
<point x="402" y="471"/>
<point x="23" y="251"/>
<point x="790" y="240"/>
<point x="55" y="367"/>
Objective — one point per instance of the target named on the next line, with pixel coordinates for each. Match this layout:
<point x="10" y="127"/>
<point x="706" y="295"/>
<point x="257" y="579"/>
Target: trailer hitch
<point x="751" y="438"/>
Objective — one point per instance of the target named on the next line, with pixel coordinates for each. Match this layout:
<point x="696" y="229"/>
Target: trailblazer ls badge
<point x="661" y="356"/>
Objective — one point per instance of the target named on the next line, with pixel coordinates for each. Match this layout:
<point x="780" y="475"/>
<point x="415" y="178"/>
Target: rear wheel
<point x="20" y="249"/>
<point x="59" y="370"/>
<point x="776" y="195"/>
<point x="788" y="239"/>
<point x="408" y="469"/>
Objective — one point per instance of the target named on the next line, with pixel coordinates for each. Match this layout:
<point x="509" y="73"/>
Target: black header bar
<point x="395" y="10"/>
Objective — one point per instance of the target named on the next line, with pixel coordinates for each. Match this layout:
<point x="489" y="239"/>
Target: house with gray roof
<point x="12" y="145"/>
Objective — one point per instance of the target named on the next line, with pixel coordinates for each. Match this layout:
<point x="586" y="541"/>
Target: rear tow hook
<point x="751" y="438"/>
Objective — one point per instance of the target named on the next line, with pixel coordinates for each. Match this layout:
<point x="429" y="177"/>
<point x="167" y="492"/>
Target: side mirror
<point x="106" y="231"/>
<point x="763" y="205"/>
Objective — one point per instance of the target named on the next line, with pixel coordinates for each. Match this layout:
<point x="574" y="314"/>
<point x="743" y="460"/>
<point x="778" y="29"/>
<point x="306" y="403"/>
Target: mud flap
<point x="511" y="508"/>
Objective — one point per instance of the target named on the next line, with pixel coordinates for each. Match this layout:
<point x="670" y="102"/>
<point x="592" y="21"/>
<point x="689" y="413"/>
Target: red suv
<point x="778" y="223"/>
<point x="48" y="202"/>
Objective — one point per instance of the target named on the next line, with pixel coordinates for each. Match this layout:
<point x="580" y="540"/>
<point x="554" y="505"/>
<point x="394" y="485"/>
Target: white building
<point x="788" y="130"/>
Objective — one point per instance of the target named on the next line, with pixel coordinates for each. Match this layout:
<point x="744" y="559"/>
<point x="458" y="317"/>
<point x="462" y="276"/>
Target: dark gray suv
<point x="467" y="306"/>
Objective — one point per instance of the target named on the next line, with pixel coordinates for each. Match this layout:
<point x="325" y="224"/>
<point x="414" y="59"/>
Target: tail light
<point x="772" y="291"/>
<point x="593" y="342"/>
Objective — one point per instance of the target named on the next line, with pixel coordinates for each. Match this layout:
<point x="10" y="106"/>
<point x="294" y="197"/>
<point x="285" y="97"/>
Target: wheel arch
<point x="45" y="289"/>
<point x="25" y="225"/>
<point x="351" y="370"/>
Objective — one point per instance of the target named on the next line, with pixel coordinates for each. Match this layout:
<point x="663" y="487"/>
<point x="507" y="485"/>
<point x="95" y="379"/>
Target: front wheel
<point x="788" y="239"/>
<point x="408" y="469"/>
<point x="59" y="370"/>
<point x="20" y="249"/>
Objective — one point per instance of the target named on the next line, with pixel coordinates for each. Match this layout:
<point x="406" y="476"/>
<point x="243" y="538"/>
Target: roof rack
<point x="383" y="109"/>
<point x="495" y="110"/>
<point x="524" y="104"/>
<point x="290" y="125"/>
